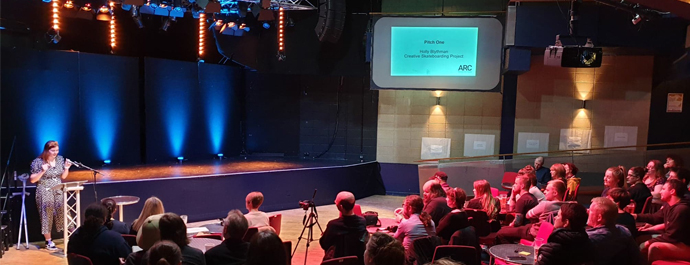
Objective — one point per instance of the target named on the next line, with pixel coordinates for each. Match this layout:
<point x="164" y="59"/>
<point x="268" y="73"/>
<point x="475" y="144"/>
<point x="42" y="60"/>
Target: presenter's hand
<point x="68" y="164"/>
<point x="45" y="167"/>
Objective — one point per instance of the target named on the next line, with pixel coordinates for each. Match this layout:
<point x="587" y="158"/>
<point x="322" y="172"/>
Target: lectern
<point x="71" y="207"/>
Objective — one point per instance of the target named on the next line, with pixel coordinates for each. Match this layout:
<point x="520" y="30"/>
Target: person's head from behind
<point x="383" y="249"/>
<point x="602" y="212"/>
<point x="557" y="172"/>
<point x="50" y="151"/>
<point x="682" y="174"/>
<point x="111" y="206"/>
<point x="572" y="216"/>
<point x="345" y="201"/>
<point x="620" y="196"/>
<point x="152" y="206"/>
<point x="555" y="190"/>
<point x="673" y="189"/>
<point x="614" y="177"/>
<point x="482" y="188"/>
<point x="235" y="225"/>
<point x="445" y="261"/>
<point x="635" y="175"/>
<point x="266" y="248"/>
<point x="413" y="204"/>
<point x="538" y="163"/>
<point x="455" y="198"/>
<point x="173" y="228"/>
<point x="441" y="176"/>
<point x="570" y="169"/>
<point x="164" y="253"/>
<point x="149" y="233"/>
<point x="254" y="200"/>
<point x="95" y="216"/>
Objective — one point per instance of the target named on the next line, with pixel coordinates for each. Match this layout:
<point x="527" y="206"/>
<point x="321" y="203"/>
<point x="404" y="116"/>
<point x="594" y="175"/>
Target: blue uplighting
<point x="217" y="96"/>
<point x="48" y="115"/>
<point x="220" y="155"/>
<point x="180" y="158"/>
<point x="174" y="102"/>
<point x="101" y="111"/>
<point x="107" y="161"/>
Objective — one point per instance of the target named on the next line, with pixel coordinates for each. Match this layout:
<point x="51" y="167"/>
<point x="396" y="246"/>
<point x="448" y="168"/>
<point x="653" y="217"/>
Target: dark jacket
<point x="613" y="246"/>
<point x="437" y="208"/>
<point x="566" y="247"/>
<point x="120" y="227"/>
<point x="345" y="236"/>
<point x="451" y="223"/>
<point x="230" y="252"/>
<point x="543" y="176"/>
<point x="639" y="193"/>
<point x="676" y="218"/>
<point x="102" y="246"/>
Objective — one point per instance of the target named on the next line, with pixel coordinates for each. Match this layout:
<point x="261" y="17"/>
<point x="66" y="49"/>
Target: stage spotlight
<point x="180" y="158"/>
<point x="137" y="17"/>
<point x="636" y="19"/>
<point x="107" y="161"/>
<point x="53" y="36"/>
<point x="167" y="23"/>
<point x="266" y="25"/>
<point x="86" y="7"/>
<point x="47" y="1"/>
<point x="68" y="4"/>
<point x="220" y="155"/>
<point x="126" y="7"/>
<point x="103" y="14"/>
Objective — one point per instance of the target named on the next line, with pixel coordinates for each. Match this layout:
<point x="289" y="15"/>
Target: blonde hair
<point x="152" y="206"/>
<point x="483" y="189"/>
<point x="560" y="171"/>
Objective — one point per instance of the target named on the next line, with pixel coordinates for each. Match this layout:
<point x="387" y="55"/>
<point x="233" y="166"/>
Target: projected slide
<point x="434" y="51"/>
<point x="448" y="53"/>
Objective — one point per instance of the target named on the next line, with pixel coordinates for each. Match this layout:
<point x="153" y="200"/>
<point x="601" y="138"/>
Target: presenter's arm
<point x="68" y="164"/>
<point x="36" y="176"/>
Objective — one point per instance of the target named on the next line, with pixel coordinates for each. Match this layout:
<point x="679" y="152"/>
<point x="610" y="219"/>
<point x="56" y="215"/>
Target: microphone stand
<point x="95" y="172"/>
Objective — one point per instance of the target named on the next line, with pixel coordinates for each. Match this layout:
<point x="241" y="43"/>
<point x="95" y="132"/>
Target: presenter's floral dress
<point x="49" y="202"/>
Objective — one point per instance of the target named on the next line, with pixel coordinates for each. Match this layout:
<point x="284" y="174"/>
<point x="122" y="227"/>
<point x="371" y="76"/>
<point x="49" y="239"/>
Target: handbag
<point x="372" y="218"/>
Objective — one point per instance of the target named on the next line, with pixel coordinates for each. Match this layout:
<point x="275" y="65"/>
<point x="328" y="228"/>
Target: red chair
<point x="130" y="239"/>
<point x="545" y="230"/>
<point x="250" y="233"/>
<point x="670" y="262"/>
<point x="276" y="221"/>
<point x="357" y="210"/>
<point x="650" y="207"/>
<point x="466" y="254"/>
<point x="494" y="192"/>
<point x="349" y="260"/>
<point x="218" y="236"/>
<point x="76" y="259"/>
<point x="508" y="180"/>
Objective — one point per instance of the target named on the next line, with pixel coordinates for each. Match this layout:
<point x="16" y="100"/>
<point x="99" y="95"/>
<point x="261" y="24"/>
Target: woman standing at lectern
<point x="49" y="169"/>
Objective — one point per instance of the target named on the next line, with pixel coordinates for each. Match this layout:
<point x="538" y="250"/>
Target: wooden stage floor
<point x="202" y="168"/>
<point x="290" y="231"/>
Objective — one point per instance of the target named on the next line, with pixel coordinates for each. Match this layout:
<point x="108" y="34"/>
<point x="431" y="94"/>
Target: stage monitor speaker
<point x="331" y="20"/>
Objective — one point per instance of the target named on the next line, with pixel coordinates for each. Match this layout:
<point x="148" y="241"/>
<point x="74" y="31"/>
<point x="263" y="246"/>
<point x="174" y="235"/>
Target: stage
<point x="208" y="190"/>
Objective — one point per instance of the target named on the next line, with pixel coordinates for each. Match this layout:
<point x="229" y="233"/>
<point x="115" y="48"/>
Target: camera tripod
<point x="309" y="222"/>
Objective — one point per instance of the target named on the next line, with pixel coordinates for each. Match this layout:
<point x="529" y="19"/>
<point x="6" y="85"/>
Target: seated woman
<point x="417" y="224"/>
<point x="112" y="223"/>
<point x="383" y="249"/>
<point x="483" y="200"/>
<point x="672" y="162"/>
<point x="558" y="172"/>
<point x="457" y="218"/>
<point x="572" y="182"/>
<point x="266" y="248"/>
<point x="654" y="179"/>
<point x="638" y="191"/>
<point x="622" y="198"/>
<point x="164" y="253"/>
<point x="614" y="178"/>
<point x="152" y="206"/>
<point x="174" y="229"/>
<point x="95" y="241"/>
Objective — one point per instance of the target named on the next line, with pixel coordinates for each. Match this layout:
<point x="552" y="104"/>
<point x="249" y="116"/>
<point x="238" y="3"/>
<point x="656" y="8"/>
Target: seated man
<point x="682" y="174"/>
<point x="232" y="251"/>
<point x="435" y="201"/>
<point x="544" y="210"/>
<point x="672" y="220"/>
<point x="526" y="200"/>
<point x="347" y="235"/>
<point x="256" y="218"/>
<point x="568" y="244"/>
<point x="542" y="173"/>
<point x="612" y="243"/>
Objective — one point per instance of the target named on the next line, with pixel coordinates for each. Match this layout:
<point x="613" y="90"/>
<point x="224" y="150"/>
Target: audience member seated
<point x="533" y="189"/>
<point x="232" y="251"/>
<point x="572" y="182"/>
<point x="95" y="241"/>
<point x="152" y="206"/>
<point x="654" y="178"/>
<point x="683" y="175"/>
<point x="435" y="201"/>
<point x="173" y="228"/>
<point x="256" y="218"/>
<point x="568" y="244"/>
<point x="457" y="218"/>
<point x="672" y="162"/>
<point x="613" y="178"/>
<point x="543" y="174"/>
<point x="612" y="243"/>
<point x="442" y="179"/>
<point x="164" y="253"/>
<point x="149" y="233"/>
<point x="266" y="248"/>
<point x="558" y="172"/>
<point x="383" y="249"/>
<point x="622" y="198"/>
<point x="525" y="202"/>
<point x="417" y="224"/>
<point x="112" y="223"/>
<point x="346" y="235"/>
<point x="638" y="190"/>
<point x="672" y="221"/>
<point x="543" y="212"/>
<point x="484" y="200"/>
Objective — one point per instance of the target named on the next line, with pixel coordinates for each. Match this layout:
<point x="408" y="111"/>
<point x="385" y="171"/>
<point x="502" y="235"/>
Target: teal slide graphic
<point x="434" y="51"/>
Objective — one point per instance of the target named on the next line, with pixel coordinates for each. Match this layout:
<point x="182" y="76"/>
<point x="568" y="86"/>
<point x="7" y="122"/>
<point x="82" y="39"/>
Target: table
<point x="201" y="242"/>
<point x="385" y="222"/>
<point x="503" y="252"/>
<point x="122" y="201"/>
<point x="214" y="228"/>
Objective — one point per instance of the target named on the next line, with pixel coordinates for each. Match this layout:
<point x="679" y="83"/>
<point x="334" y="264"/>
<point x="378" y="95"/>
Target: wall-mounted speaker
<point x="331" y="20"/>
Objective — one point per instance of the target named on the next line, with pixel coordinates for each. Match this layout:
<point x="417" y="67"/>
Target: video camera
<point x="305" y="204"/>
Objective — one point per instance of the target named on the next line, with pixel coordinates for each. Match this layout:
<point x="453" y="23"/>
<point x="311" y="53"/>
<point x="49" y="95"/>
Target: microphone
<point x="75" y="163"/>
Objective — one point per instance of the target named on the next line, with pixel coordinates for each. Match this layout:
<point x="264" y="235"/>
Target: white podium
<point x="71" y="207"/>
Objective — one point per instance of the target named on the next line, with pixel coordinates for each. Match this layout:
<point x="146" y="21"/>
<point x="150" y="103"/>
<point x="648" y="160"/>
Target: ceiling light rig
<point x="281" y="34"/>
<point x="202" y="32"/>
<point x="112" y="28"/>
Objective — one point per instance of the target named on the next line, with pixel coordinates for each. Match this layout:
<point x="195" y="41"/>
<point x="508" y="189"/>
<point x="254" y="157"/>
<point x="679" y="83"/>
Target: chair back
<point x="574" y="198"/>
<point x="276" y="221"/>
<point x="494" y="192"/>
<point x="465" y="254"/>
<point x="508" y="180"/>
<point x="357" y="210"/>
<point x="250" y="233"/>
<point x="480" y="221"/>
<point x="130" y="239"/>
<point x="349" y="260"/>
<point x="565" y="195"/>
<point x="76" y="259"/>
<point x="288" y="251"/>
<point x="424" y="248"/>
<point x="346" y="245"/>
<point x="217" y="236"/>
<point x="650" y="206"/>
<point x="545" y="230"/>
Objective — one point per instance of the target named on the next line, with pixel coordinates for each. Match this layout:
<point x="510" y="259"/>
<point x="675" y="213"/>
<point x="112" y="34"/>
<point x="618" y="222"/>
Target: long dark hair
<point x="164" y="253"/>
<point x="172" y="228"/>
<point x="110" y="205"/>
<point x="94" y="218"/>
<point x="416" y="204"/>
<point x="266" y="248"/>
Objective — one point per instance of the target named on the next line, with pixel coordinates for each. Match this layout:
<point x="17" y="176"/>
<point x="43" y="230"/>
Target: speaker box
<point x="331" y="20"/>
